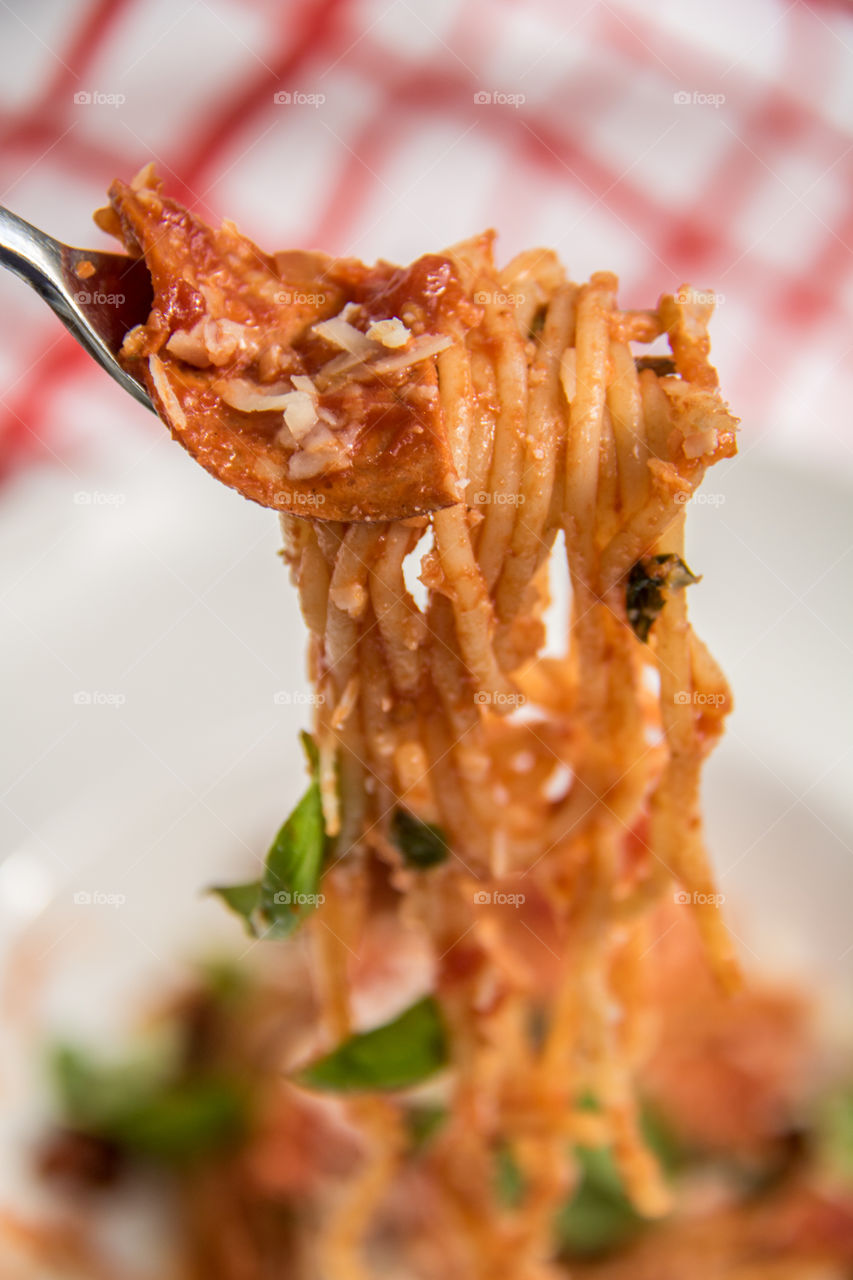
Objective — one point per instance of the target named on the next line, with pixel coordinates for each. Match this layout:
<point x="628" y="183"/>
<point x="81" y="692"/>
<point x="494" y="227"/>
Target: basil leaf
<point x="663" y="1142"/>
<point x="91" y="1096"/>
<point x="399" y="1054"/>
<point x="599" y="1217"/>
<point x="422" y="844"/>
<point x="182" y="1122"/>
<point x="243" y="899"/>
<point x="138" y="1108"/>
<point x="289" y="890"/>
<point x="647" y="582"/>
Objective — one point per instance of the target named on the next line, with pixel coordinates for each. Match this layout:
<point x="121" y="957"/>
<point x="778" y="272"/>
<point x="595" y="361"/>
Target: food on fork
<point x="505" y="818"/>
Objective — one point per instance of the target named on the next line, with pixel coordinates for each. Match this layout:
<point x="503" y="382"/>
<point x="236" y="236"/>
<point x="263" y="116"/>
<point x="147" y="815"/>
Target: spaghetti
<point x="562" y="791"/>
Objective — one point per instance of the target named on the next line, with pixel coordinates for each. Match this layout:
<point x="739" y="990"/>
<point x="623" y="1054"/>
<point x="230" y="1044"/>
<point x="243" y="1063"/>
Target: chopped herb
<point x="397" y="1055"/>
<point x="148" y="1111"/>
<point x="422" y="844"/>
<point x="647" y="582"/>
<point x="289" y="890"/>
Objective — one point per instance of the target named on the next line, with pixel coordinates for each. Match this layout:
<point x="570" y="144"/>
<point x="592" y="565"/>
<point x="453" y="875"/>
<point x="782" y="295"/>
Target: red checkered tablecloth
<point x="684" y="140"/>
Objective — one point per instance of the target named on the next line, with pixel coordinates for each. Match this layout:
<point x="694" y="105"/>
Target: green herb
<point x="599" y="1217"/>
<point x="421" y="843"/>
<point x="834" y="1133"/>
<point x="399" y="1054"/>
<point x="223" y="982"/>
<point x="509" y="1180"/>
<point x="661" y="1140"/>
<point x="289" y="890"/>
<point x="243" y="899"/>
<point x="145" y="1110"/>
<point x="647" y="582"/>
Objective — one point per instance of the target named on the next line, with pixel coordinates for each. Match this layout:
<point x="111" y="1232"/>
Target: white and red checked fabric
<point x="669" y="142"/>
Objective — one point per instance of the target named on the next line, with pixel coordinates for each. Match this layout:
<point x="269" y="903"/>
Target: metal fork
<point x="97" y="296"/>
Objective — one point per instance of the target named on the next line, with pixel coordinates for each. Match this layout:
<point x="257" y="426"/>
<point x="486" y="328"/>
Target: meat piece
<point x="350" y="434"/>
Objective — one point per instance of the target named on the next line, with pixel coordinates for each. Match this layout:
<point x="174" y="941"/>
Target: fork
<point x="97" y="296"/>
<point x="100" y="296"/>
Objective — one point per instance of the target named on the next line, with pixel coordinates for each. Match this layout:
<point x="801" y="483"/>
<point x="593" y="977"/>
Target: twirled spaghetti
<point x="565" y="788"/>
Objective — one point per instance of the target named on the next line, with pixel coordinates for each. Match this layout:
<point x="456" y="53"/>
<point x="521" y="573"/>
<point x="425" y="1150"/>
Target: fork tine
<point x="113" y="294"/>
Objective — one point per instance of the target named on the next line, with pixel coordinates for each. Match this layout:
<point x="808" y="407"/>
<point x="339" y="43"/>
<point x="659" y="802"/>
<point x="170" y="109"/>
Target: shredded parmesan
<point x="340" y="333"/>
<point x="336" y="368"/>
<point x="320" y="451"/>
<point x="248" y="397"/>
<point x="422" y="350"/>
<point x="301" y="382"/>
<point x="700" y="442"/>
<point x="208" y="342"/>
<point x="300" y="413"/>
<point x="163" y="388"/>
<point x="391" y="333"/>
